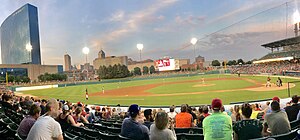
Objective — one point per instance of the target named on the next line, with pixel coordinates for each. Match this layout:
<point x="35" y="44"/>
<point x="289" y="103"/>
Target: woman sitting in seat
<point x="159" y="130"/>
<point x="78" y="117"/>
<point x="65" y="118"/>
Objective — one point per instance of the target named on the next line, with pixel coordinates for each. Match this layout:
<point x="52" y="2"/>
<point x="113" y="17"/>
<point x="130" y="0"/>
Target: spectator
<point x="65" y="118"/>
<point x="43" y="106"/>
<point x="236" y="115"/>
<point x="159" y="130"/>
<point x="131" y="127"/>
<point x="149" y="118"/>
<point x="293" y="110"/>
<point x="78" y="117"/>
<point x="183" y="119"/>
<point x="277" y="121"/>
<point x="46" y="127"/>
<point x="193" y="115"/>
<point x="172" y="112"/>
<point x="247" y="128"/>
<point x="7" y="101"/>
<point x="217" y="126"/>
<point x="119" y="110"/>
<point x="28" y="121"/>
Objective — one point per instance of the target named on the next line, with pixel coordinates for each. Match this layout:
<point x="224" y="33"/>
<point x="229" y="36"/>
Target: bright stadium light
<point x="86" y="51"/>
<point x="194" y="41"/>
<point x="140" y="48"/>
<point x="296" y="17"/>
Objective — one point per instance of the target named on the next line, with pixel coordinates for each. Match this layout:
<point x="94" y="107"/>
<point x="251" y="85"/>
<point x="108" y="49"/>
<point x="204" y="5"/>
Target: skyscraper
<point x="20" y="41"/>
<point x="67" y="65"/>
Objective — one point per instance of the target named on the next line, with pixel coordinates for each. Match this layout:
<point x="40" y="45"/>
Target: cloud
<point x="117" y="16"/>
<point x="190" y="20"/>
<point x="133" y="22"/>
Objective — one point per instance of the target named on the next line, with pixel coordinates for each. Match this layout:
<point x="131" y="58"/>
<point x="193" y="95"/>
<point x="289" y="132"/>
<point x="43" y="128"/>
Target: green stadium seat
<point x="106" y="136"/>
<point x="288" y="136"/>
<point x="69" y="136"/>
<point x="113" y="130"/>
<point x="91" y="134"/>
<point x="123" y="138"/>
<point x="182" y="130"/>
<point x="196" y="130"/>
<point x="194" y="136"/>
<point x="295" y="124"/>
<point x="100" y="127"/>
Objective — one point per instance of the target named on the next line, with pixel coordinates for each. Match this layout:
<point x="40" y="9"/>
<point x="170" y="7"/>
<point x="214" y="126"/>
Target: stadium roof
<point x="282" y="43"/>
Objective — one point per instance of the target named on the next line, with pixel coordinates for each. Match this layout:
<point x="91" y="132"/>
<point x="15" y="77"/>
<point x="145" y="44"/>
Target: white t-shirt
<point x="45" y="128"/>
<point x="172" y="114"/>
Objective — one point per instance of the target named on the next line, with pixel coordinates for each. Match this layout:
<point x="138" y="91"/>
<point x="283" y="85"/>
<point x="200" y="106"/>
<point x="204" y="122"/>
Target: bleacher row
<point x="109" y="129"/>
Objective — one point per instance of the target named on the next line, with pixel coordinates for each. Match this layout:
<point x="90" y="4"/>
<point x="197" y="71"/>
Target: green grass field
<point x="184" y="92"/>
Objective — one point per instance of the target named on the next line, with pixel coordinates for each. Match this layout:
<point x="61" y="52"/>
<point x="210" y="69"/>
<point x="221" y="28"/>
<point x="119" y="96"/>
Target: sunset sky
<point x="164" y="27"/>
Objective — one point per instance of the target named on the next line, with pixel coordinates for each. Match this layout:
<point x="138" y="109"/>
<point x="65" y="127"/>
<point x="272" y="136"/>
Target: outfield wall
<point x="35" y="87"/>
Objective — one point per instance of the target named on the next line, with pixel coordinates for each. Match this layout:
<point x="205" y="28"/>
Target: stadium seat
<point x="69" y="136"/>
<point x="288" y="136"/>
<point x="185" y="136"/>
<point x="113" y="130"/>
<point x="295" y="124"/>
<point x="106" y="136"/>
<point x="100" y="127"/>
<point x="196" y="130"/>
<point x="182" y="130"/>
<point x="91" y="134"/>
<point x="123" y="138"/>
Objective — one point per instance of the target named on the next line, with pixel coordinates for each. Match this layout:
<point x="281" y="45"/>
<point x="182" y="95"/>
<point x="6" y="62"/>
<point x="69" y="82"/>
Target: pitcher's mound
<point x="203" y="85"/>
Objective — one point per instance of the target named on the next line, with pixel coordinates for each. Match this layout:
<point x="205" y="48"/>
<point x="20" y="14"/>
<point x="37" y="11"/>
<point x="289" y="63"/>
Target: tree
<point x="137" y="71"/>
<point x="215" y="63"/>
<point x="248" y="62"/>
<point x="240" y="61"/>
<point x="145" y="70"/>
<point x="152" y="69"/>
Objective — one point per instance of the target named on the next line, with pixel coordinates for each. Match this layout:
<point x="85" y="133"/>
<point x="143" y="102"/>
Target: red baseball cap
<point x="276" y="99"/>
<point x="216" y="103"/>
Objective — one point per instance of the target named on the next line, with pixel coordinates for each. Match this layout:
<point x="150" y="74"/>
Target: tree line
<point x="230" y="62"/>
<point x="115" y="71"/>
<point x="52" y="77"/>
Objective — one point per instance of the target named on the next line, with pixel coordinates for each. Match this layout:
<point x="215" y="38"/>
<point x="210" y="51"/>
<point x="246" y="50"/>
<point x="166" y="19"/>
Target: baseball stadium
<point x="234" y="81"/>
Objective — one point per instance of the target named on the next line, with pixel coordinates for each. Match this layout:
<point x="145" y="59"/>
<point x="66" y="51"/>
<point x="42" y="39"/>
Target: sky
<point x="225" y="29"/>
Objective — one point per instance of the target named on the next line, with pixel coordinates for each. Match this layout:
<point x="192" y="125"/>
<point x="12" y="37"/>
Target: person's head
<point x="172" y="108"/>
<point x="205" y="109"/>
<point x="200" y="109"/>
<point x="246" y="110"/>
<point x="276" y="99"/>
<point x="65" y="109"/>
<point x="6" y="97"/>
<point x="236" y="108"/>
<point x="134" y="110"/>
<point x="78" y="110"/>
<point x="35" y="111"/>
<point x="148" y="114"/>
<point x="161" y="120"/>
<point x="295" y="99"/>
<point x="52" y="108"/>
<point x="44" y="102"/>
<point x="275" y="106"/>
<point x="183" y="108"/>
<point x="216" y="104"/>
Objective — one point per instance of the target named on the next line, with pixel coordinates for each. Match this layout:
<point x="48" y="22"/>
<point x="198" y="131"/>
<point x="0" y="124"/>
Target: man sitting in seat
<point x="29" y="120"/>
<point x="183" y="119"/>
<point x="217" y="126"/>
<point x="293" y="110"/>
<point x="46" y="128"/>
<point x="132" y="127"/>
<point x="277" y="121"/>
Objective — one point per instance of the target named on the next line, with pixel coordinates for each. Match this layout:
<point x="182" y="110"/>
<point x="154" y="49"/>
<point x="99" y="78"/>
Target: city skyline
<point x="165" y="28"/>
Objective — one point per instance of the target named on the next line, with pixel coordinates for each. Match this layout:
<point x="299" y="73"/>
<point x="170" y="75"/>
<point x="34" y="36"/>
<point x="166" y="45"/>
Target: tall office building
<point x="20" y="41"/>
<point x="67" y="65"/>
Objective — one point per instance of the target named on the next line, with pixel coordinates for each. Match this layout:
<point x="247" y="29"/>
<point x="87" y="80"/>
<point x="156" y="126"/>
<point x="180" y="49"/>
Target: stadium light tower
<point x="140" y="48"/>
<point x="86" y="51"/>
<point x="194" y="42"/>
<point x="29" y="48"/>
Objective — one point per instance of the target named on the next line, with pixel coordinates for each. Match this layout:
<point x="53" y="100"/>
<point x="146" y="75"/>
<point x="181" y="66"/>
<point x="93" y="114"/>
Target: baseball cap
<point x="134" y="109"/>
<point x="216" y="103"/>
<point x="65" y="108"/>
<point x="276" y="99"/>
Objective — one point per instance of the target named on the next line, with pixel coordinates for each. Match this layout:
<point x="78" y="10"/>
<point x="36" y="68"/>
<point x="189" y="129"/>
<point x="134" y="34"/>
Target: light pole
<point x="29" y="48"/>
<point x="194" y="42"/>
<point x="86" y="51"/>
<point x="140" y="48"/>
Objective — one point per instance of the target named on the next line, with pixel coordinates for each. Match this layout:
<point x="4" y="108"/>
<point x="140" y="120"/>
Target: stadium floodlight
<point x="140" y="48"/>
<point x="296" y="17"/>
<point x="28" y="48"/>
<point x="194" y="42"/>
<point x="86" y="51"/>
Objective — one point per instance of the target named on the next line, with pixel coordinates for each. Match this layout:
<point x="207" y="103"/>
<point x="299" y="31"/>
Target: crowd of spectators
<point x="277" y="68"/>
<point x="47" y="118"/>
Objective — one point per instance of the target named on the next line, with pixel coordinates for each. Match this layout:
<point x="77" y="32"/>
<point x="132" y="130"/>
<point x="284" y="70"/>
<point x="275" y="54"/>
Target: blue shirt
<point x="134" y="130"/>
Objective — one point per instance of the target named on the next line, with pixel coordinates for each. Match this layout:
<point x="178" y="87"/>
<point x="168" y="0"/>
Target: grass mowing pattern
<point x="77" y="93"/>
